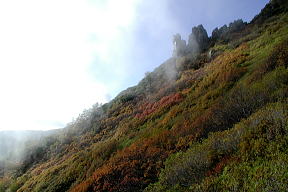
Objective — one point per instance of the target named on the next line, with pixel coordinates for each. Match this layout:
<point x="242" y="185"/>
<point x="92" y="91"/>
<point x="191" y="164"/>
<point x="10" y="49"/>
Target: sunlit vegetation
<point x="211" y="121"/>
<point x="246" y="157"/>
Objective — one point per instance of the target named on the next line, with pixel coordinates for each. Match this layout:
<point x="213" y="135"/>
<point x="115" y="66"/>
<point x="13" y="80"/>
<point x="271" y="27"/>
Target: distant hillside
<point x="13" y="143"/>
<point x="213" y="117"/>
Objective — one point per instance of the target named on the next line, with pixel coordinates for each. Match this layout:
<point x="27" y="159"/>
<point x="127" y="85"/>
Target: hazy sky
<point x="58" y="57"/>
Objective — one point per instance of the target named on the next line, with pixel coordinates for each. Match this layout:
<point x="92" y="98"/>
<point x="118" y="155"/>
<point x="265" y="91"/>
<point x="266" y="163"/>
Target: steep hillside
<point x="13" y="142"/>
<point x="211" y="118"/>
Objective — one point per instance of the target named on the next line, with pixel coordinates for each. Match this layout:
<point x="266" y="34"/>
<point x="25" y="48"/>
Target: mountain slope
<point x="212" y="118"/>
<point x="14" y="143"/>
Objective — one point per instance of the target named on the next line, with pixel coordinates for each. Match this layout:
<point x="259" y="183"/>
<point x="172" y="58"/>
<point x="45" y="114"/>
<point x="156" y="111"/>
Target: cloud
<point x="46" y="52"/>
<point x="59" y="57"/>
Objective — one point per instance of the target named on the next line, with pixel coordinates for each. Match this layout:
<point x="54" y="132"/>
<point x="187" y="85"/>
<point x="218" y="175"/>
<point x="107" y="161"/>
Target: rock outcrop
<point x="223" y="33"/>
<point x="198" y="40"/>
<point x="180" y="47"/>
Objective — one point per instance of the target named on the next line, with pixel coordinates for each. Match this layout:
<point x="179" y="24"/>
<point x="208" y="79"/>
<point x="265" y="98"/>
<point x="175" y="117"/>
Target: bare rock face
<point x="198" y="40"/>
<point x="219" y="33"/>
<point x="224" y="32"/>
<point x="180" y="47"/>
<point x="237" y="25"/>
<point x="197" y="43"/>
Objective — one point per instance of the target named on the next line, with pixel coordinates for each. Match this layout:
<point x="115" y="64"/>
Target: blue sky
<point x="59" y="57"/>
<point x="157" y="21"/>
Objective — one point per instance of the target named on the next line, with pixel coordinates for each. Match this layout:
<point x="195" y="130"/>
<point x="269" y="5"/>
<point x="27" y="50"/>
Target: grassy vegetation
<point x="219" y="125"/>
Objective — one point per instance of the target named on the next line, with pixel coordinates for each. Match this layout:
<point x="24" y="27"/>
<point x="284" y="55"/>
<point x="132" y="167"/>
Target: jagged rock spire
<point x="198" y="39"/>
<point x="179" y="46"/>
<point x="198" y="42"/>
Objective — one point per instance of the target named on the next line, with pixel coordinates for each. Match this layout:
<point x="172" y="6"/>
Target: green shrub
<point x="250" y="157"/>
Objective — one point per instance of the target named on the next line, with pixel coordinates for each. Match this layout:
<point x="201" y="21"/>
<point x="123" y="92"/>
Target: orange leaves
<point x="167" y="101"/>
<point x="232" y="74"/>
<point x="131" y="169"/>
<point x="277" y="58"/>
<point x="229" y="69"/>
<point x="223" y="70"/>
<point x="221" y="164"/>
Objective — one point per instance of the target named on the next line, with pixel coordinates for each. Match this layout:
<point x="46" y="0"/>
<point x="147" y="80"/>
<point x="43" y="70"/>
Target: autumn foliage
<point x="212" y="127"/>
